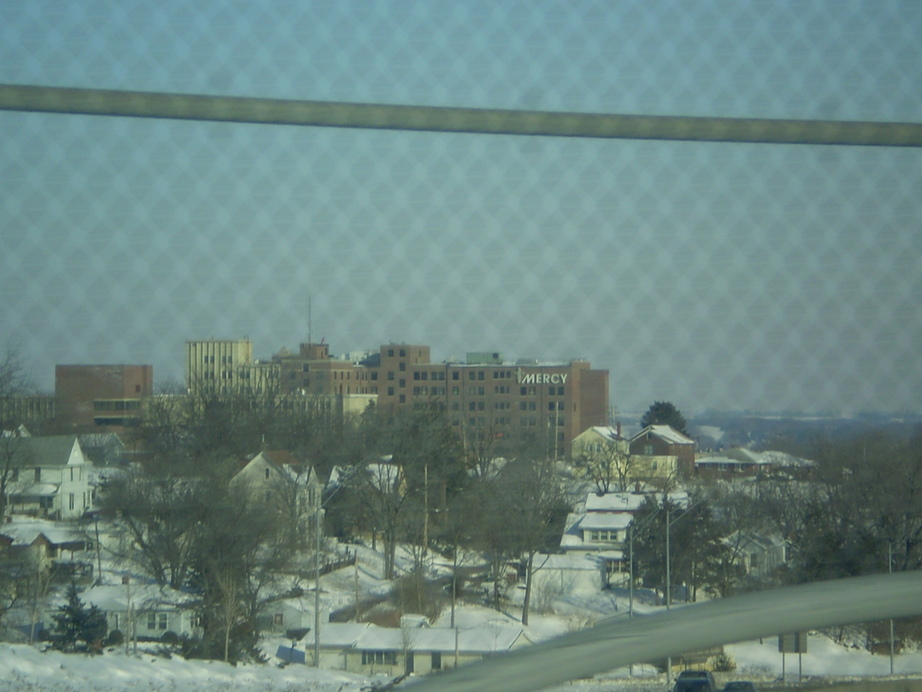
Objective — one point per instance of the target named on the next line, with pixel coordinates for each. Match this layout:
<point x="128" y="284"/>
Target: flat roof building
<point x="101" y="396"/>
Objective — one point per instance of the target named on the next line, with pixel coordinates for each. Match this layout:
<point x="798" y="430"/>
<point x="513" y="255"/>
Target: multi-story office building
<point x="485" y="398"/>
<point x="227" y="367"/>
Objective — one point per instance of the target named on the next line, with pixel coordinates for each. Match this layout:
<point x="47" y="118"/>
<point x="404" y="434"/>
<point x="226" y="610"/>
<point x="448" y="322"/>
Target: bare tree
<point x="14" y="381"/>
<point x="160" y="519"/>
<point x="608" y="464"/>
<point x="15" y="455"/>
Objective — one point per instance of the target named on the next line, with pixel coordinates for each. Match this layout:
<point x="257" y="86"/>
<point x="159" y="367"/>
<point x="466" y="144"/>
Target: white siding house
<point x="50" y="477"/>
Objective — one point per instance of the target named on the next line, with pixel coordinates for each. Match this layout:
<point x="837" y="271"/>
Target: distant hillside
<point x="723" y="430"/>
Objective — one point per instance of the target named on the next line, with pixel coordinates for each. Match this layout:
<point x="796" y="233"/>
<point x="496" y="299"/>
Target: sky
<point x="715" y="276"/>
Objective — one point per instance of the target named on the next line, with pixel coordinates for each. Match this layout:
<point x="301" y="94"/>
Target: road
<point x="614" y="643"/>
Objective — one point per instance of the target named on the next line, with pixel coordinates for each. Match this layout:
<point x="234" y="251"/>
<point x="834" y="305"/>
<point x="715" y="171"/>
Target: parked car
<point x="695" y="681"/>
<point x="739" y="686"/>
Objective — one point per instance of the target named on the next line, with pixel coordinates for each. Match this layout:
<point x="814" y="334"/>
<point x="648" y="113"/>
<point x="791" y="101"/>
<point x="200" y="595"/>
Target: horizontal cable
<point x="39" y="99"/>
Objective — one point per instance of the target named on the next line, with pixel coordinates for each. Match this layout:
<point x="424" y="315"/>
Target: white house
<point x="372" y="650"/>
<point x="49" y="477"/>
<point x="142" y="611"/>
<point x="279" y="479"/>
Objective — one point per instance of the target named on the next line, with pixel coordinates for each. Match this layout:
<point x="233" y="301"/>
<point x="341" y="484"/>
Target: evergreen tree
<point x="75" y="623"/>
<point x="664" y="413"/>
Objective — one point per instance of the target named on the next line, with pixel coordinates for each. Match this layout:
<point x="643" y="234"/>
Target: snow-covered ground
<point x="23" y="667"/>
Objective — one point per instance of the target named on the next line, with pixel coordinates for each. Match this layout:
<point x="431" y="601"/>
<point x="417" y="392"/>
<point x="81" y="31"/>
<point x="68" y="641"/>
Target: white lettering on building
<point x="540" y="377"/>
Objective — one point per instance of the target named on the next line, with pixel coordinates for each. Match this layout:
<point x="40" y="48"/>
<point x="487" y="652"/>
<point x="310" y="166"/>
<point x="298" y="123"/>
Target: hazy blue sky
<point x="714" y="275"/>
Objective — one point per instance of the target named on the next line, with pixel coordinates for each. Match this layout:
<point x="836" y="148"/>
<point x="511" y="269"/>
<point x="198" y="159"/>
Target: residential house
<point x="368" y="649"/>
<point x="758" y="555"/>
<point x="103" y="449"/>
<point x="280" y="480"/>
<point x="599" y="527"/>
<point x="664" y="442"/>
<point x="597" y="440"/>
<point x="144" y="611"/>
<point x="50" y="477"/>
<point x="740" y="462"/>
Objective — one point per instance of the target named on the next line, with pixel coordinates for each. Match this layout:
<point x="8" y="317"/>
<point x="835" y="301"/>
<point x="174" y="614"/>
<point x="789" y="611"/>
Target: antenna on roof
<point x="309" y="318"/>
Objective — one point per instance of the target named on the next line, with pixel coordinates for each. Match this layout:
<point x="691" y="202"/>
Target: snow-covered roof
<point x="112" y="598"/>
<point x="482" y="639"/>
<point x="605" y="520"/>
<point x="24" y="532"/>
<point x="31" y="489"/>
<point x="569" y="562"/>
<point x="666" y="433"/>
<point x="606" y="431"/>
<point x="717" y="460"/>
<point x="614" y="502"/>
<point x="337" y="635"/>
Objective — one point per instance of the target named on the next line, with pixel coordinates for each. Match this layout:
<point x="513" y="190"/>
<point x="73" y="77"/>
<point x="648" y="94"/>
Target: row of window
<point x="525" y="421"/>
<point x="116" y="404"/>
<point x="607" y="535"/>
<point x="424" y="375"/>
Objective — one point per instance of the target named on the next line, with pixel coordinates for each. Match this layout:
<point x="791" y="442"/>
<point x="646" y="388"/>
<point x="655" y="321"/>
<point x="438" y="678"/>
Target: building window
<point x="390" y="375"/>
<point x="403" y="398"/>
<point x="390" y="391"/>
<point x="455" y="375"/>
<point x="480" y="375"/>
<point x="379" y="657"/>
<point x="403" y="353"/>
<point x="390" y="352"/>
<point x="402" y="367"/>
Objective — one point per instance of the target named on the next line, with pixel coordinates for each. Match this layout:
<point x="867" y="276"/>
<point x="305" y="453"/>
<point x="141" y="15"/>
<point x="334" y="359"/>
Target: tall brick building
<point x="484" y="397"/>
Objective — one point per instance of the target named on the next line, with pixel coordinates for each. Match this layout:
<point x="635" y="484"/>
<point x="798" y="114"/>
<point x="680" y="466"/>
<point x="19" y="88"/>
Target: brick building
<point x="101" y="396"/>
<point x="484" y="396"/>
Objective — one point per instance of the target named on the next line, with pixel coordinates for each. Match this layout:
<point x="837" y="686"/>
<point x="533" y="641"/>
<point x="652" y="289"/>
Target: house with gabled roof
<point x="665" y="442"/>
<point x="49" y="477"/>
<point x="277" y="478"/>
<point x="144" y="611"/>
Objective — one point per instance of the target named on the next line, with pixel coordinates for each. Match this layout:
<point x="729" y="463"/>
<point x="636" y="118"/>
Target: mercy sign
<point x="540" y="377"/>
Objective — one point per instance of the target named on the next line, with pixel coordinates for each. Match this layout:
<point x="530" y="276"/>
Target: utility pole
<point x="890" y="571"/>
<point x="668" y="572"/>
<point x="317" y="516"/>
<point x="425" y="509"/>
